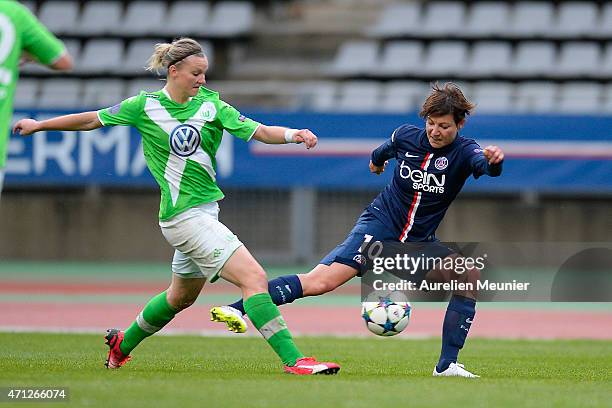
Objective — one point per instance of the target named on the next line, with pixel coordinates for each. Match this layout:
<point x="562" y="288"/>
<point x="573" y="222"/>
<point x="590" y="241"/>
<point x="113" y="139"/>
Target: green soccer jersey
<point x="180" y="142"/>
<point x="19" y="31"/>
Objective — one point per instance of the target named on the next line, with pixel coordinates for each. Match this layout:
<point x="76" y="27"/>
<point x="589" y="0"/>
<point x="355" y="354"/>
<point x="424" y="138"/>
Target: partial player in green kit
<point x="22" y="38"/>
<point x="181" y="127"/>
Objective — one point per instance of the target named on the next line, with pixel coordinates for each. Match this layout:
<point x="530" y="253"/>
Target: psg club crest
<point x="441" y="163"/>
<point x="185" y="140"/>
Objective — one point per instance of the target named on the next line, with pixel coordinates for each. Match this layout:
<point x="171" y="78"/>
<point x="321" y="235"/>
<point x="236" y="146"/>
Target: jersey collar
<point x="167" y="94"/>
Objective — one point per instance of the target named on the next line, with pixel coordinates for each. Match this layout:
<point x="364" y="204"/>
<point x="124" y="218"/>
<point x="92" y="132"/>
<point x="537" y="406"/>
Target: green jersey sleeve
<point x="236" y="123"/>
<point x="38" y="41"/>
<point x="125" y="113"/>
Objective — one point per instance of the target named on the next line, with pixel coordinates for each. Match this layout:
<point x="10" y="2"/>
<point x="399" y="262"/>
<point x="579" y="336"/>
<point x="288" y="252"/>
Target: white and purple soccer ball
<point x="386" y="316"/>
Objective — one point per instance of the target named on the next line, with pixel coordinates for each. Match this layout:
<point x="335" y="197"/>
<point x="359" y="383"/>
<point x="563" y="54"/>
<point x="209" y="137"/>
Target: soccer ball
<point x="386" y="316"/>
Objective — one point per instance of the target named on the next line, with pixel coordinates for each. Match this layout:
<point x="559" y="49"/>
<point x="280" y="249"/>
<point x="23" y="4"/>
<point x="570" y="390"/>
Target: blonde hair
<point x="166" y="54"/>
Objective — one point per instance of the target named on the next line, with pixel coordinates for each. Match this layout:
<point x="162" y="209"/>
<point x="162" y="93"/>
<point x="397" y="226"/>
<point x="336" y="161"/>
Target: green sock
<point x="155" y="315"/>
<point x="267" y="319"/>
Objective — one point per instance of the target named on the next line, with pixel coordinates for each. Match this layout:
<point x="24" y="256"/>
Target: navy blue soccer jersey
<point x="425" y="182"/>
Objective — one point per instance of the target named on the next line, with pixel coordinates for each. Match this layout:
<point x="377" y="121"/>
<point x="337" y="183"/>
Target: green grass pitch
<point x="186" y="371"/>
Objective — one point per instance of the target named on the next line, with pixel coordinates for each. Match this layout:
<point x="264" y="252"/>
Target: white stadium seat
<point x="101" y="56"/>
<point x="604" y="28"/>
<point x="400" y="58"/>
<point x="73" y="46"/>
<point x="56" y="93"/>
<point x="531" y="18"/>
<point x="319" y="96"/>
<point x="576" y="18"/>
<point x="605" y="67"/>
<point x="444" y="18"/>
<point x="143" y="17"/>
<point x="396" y="20"/>
<point x="354" y="58"/>
<point x="101" y="17"/>
<point x="536" y="97"/>
<point x="137" y="56"/>
<point x="534" y="58"/>
<point x="493" y="97"/>
<point x="578" y="58"/>
<point x="488" y="18"/>
<point x="209" y="51"/>
<point x="402" y="96"/>
<point x="60" y="17"/>
<point x="30" y="4"/>
<point x="580" y="97"/>
<point x="445" y="58"/>
<point x="230" y="19"/>
<point x="101" y="93"/>
<point x="607" y="101"/>
<point x="359" y="96"/>
<point x="148" y="85"/>
<point x="26" y="94"/>
<point x="489" y="58"/>
<point x="190" y="16"/>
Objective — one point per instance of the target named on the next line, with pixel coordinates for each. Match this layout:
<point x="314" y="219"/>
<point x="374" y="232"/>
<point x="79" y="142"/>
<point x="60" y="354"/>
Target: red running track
<point x="312" y="320"/>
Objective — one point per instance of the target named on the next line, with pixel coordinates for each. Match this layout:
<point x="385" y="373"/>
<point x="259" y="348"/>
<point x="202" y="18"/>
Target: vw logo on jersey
<point x="441" y="163"/>
<point x="185" y="140"/>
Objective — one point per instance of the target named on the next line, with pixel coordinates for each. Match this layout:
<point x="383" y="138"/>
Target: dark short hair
<point x="448" y="99"/>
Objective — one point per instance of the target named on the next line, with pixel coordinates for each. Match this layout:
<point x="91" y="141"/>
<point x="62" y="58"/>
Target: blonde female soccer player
<point x="181" y="127"/>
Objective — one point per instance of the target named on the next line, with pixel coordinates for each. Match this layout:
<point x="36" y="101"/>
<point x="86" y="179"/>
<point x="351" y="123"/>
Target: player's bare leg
<point x="250" y="283"/>
<point x="323" y="278"/>
<point x="183" y="292"/>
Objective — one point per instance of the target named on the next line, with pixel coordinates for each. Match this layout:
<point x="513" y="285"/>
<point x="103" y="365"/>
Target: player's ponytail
<point x="166" y="54"/>
<point x="155" y="62"/>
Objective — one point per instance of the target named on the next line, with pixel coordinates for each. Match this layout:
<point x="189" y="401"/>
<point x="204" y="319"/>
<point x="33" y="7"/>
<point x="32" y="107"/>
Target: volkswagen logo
<point x="184" y="140"/>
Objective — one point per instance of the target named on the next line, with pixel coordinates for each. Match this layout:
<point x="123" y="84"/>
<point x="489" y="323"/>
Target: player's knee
<point x="186" y="302"/>
<point x="181" y="301"/>
<point x="255" y="279"/>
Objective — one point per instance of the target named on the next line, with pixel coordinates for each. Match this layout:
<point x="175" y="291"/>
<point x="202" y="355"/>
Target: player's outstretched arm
<point x="77" y="121"/>
<point x="280" y="135"/>
<point x="63" y="63"/>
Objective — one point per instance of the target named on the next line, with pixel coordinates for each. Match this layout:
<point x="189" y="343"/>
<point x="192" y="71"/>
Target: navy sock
<point x="457" y="322"/>
<point x="283" y="290"/>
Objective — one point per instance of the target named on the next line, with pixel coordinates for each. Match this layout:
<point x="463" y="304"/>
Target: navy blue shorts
<point x="348" y="252"/>
<point x="370" y="229"/>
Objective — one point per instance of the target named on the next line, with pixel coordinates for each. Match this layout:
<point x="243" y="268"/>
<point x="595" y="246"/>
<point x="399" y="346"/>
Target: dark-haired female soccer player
<point x="432" y="166"/>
